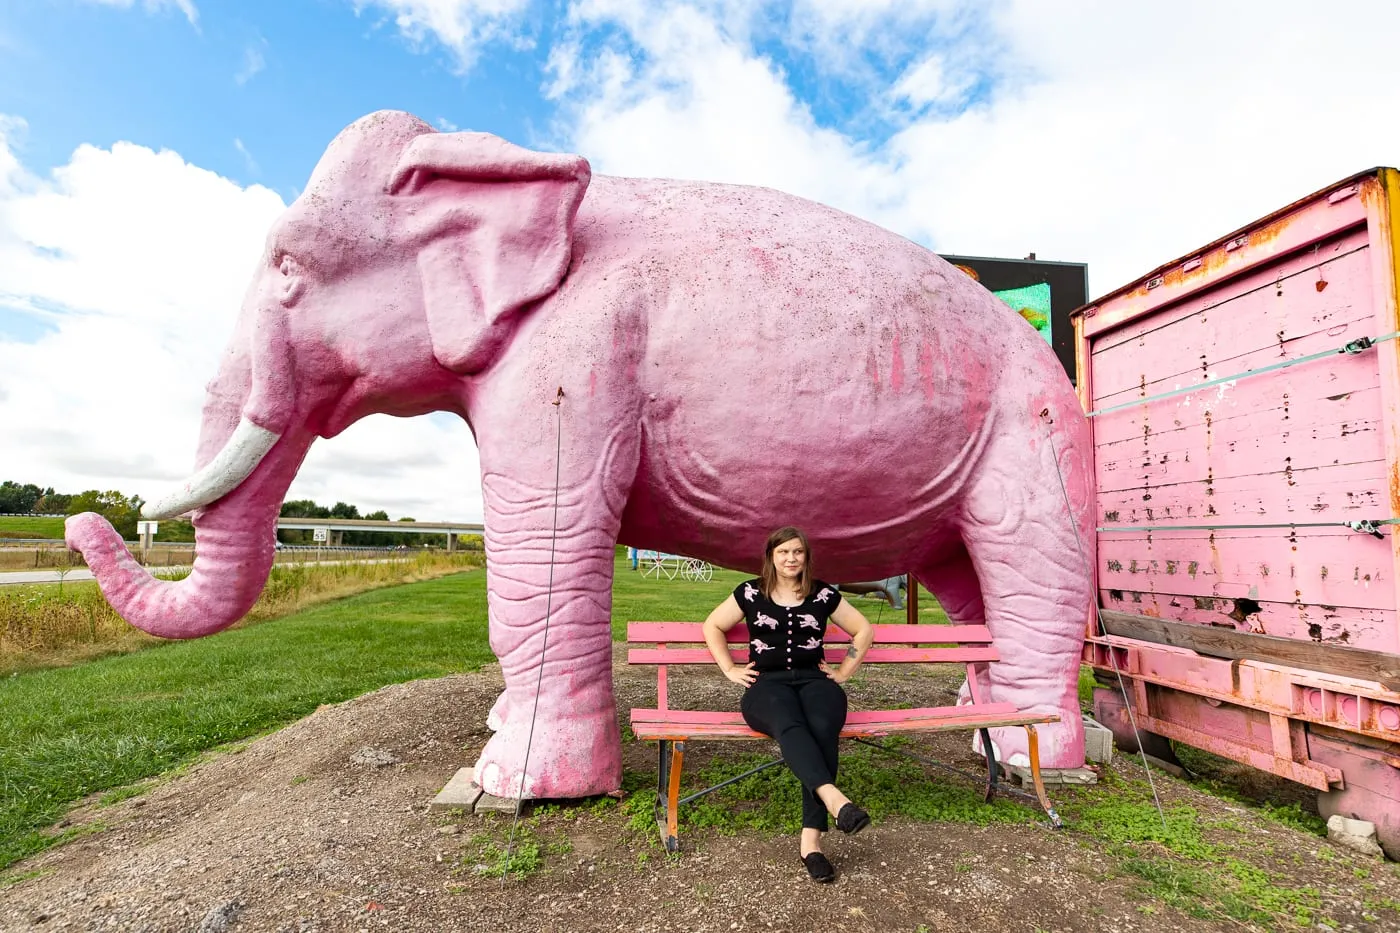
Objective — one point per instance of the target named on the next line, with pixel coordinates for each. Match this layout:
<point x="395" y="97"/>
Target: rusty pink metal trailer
<point x="1245" y="403"/>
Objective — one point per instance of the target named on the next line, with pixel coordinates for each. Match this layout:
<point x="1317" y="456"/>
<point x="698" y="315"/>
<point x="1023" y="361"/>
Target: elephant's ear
<point x="494" y="224"/>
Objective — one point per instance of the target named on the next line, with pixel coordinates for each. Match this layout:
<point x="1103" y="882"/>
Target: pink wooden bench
<point x="684" y="643"/>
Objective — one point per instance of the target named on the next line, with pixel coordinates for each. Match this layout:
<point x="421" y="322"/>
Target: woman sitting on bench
<point x="792" y="694"/>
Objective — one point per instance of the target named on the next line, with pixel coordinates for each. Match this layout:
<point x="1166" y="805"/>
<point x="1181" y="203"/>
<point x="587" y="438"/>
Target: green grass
<point x="771" y="801"/>
<point x="21" y="526"/>
<point x="638" y="599"/>
<point x="69" y="732"/>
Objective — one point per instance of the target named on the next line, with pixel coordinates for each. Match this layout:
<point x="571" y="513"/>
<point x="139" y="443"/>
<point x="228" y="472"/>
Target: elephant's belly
<point x="865" y="515"/>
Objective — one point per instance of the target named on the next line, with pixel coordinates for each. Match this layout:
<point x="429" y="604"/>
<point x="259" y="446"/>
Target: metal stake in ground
<point x="548" y="605"/>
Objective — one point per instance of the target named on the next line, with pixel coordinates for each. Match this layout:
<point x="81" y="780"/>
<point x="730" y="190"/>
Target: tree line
<point x="124" y="511"/>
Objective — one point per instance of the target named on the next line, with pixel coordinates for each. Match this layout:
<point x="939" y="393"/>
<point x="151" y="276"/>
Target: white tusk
<point x="220" y="476"/>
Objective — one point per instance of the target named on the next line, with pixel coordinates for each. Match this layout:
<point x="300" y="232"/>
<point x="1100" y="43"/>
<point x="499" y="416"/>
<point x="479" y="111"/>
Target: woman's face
<point x="789" y="558"/>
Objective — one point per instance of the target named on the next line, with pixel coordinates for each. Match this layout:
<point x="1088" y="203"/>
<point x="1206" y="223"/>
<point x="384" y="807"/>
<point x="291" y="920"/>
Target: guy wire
<point x="1112" y="661"/>
<point x="548" y="605"/>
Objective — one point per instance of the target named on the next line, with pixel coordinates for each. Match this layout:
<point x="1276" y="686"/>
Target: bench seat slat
<point x="679" y="731"/>
<point x="901" y="634"/>
<point x="833" y="655"/>
<point x="861" y="716"/>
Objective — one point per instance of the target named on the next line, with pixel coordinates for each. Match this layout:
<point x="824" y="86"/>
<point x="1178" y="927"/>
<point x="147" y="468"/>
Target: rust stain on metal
<point x="1191" y="569"/>
<point x="1115" y="566"/>
<point x="1171" y="567"/>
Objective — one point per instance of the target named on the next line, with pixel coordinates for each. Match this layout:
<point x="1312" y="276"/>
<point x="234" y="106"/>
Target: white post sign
<point x="321" y="535"/>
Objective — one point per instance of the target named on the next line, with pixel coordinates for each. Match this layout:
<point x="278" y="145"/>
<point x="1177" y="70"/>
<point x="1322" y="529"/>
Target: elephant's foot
<point x="1061" y="744"/>
<point x="572" y="754"/>
<point x="496" y="717"/>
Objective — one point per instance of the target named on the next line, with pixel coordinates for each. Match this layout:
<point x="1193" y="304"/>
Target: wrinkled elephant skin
<point x="703" y="337"/>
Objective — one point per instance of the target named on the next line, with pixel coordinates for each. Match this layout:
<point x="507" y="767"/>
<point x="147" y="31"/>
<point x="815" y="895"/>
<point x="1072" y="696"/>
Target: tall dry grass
<point x="54" y="624"/>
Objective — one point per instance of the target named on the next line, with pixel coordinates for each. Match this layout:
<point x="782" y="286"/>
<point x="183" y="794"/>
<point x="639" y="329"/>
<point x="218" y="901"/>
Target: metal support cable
<point x="548" y="606"/>
<point x="1370" y="526"/>
<point x="1351" y="349"/>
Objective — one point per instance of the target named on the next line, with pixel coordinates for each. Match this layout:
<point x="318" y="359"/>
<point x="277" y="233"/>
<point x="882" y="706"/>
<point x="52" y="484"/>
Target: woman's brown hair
<point x="769" y="577"/>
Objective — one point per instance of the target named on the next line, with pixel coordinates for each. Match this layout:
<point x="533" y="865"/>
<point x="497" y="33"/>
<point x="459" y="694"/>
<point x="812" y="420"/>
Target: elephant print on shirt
<point x="766" y="621"/>
<point x="807" y="620"/>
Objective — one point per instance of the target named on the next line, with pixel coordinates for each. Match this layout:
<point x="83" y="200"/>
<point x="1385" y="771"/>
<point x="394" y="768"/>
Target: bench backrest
<point x="684" y="643"/>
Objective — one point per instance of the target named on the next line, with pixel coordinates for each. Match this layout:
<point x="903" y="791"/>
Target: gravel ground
<point x="324" y="826"/>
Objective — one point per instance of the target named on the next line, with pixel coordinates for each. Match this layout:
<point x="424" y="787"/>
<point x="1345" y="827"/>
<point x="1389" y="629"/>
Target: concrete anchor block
<point x="1098" y="741"/>
<point x="1051" y="776"/>
<point x="461" y="793"/>
<point x="1357" y="835"/>
<point x="489" y="804"/>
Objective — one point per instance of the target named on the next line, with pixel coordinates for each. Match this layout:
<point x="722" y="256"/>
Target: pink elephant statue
<point x="702" y="335"/>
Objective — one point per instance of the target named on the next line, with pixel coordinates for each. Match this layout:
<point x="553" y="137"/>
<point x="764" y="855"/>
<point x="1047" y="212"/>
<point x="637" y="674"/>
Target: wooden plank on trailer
<point x="1272" y="565"/>
<point x="1363" y="664"/>
<point x="1338" y="388"/>
<point x="1242" y="323"/>
<point x="1358" y="628"/>
<point x="1343" y="492"/>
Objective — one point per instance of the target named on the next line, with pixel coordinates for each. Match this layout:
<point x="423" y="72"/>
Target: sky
<point x="146" y="146"/>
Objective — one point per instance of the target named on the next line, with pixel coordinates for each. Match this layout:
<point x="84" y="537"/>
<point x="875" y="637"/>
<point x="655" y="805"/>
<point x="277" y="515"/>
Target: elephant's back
<point x="799" y="361"/>
<point x="783" y="267"/>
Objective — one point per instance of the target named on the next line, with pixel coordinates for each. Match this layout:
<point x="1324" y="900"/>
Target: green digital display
<point x="1032" y="302"/>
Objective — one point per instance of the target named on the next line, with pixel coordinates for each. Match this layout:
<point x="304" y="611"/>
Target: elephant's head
<point x="398" y="274"/>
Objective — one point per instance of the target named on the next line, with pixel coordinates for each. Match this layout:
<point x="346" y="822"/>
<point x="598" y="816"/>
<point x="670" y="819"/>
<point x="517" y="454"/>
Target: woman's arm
<point x="723" y="618"/>
<point x="853" y="623"/>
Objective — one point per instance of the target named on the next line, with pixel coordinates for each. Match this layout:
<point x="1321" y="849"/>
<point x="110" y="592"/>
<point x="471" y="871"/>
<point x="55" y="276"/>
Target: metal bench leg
<point x="991" y="754"/>
<point x="668" y="791"/>
<point x="1033" y="746"/>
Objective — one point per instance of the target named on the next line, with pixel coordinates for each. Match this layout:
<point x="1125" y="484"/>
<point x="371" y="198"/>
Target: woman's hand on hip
<point x="834" y="673"/>
<point x="743" y="676"/>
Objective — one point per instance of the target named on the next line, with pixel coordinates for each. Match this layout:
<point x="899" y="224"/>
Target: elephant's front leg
<point x="549" y="595"/>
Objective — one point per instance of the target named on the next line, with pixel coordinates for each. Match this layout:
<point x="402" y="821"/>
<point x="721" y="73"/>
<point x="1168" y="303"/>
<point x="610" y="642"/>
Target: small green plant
<point x="486" y="854"/>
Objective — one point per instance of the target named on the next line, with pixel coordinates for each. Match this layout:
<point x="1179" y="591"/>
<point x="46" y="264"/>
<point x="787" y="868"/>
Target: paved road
<point x="52" y="576"/>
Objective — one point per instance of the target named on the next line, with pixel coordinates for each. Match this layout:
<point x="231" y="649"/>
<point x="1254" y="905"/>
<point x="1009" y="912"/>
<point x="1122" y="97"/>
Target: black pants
<point x="805" y="711"/>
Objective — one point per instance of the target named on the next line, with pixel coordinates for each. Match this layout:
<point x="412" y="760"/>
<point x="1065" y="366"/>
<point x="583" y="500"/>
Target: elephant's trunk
<point x="234" y="547"/>
<point x="234" y="535"/>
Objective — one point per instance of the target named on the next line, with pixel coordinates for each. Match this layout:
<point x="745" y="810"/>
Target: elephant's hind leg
<point x="1036" y="595"/>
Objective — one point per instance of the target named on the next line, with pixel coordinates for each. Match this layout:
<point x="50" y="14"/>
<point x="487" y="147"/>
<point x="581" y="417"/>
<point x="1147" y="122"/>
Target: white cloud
<point x="1108" y="133"/>
<point x="463" y="26"/>
<point x="446" y="125"/>
<point x="152" y="6"/>
<point x="138" y="262"/>
<point x="254" y="61"/>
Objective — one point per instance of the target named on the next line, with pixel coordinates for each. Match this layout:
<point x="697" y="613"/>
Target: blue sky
<point x="254" y="90"/>
<point x="147" y="145"/>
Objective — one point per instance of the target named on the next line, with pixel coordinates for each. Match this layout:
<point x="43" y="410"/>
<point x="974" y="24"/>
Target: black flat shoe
<point x="819" y="868"/>
<point x="852" y="819"/>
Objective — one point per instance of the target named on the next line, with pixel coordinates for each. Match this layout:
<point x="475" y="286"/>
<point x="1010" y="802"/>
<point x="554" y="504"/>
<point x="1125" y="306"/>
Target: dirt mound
<point x="324" y="826"/>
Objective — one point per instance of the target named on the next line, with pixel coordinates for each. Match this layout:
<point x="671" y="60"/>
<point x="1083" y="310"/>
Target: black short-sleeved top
<point x="786" y="638"/>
